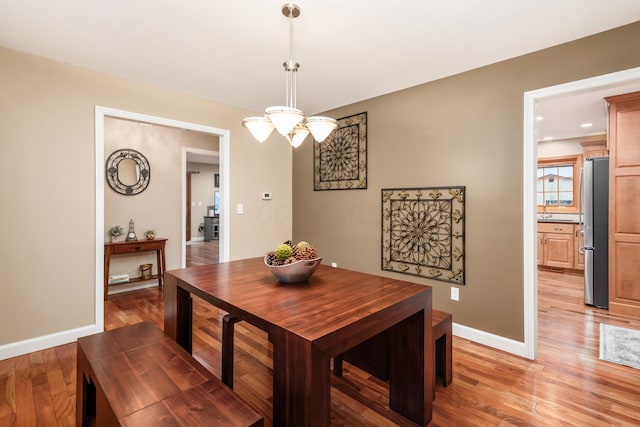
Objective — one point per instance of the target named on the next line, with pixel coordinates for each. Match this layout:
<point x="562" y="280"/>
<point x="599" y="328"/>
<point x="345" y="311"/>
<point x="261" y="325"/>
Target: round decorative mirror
<point x="128" y="172"/>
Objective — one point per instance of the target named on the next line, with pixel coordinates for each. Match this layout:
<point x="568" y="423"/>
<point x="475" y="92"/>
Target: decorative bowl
<point x="295" y="272"/>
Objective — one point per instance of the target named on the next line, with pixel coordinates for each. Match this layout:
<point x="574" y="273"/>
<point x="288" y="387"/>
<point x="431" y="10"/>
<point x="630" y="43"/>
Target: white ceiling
<point x="203" y="158"/>
<point x="564" y="115"/>
<point x="232" y="51"/>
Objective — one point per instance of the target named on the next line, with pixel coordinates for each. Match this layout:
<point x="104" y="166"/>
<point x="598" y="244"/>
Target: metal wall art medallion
<point x="423" y="232"/>
<point x="340" y="162"/>
<point x="128" y="172"/>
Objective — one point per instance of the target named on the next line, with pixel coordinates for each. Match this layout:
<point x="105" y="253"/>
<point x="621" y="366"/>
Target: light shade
<point x="291" y="122"/>
<point x="297" y="135"/>
<point x="259" y="127"/>
<point x="284" y="118"/>
<point x="321" y="127"/>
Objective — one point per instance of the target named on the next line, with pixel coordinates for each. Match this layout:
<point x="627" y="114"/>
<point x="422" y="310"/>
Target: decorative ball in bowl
<point x="291" y="263"/>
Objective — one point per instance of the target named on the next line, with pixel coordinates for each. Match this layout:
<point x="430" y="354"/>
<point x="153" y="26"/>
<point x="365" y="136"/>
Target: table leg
<point x="185" y="319"/>
<point x="412" y="367"/>
<point x="107" y="261"/>
<point x="228" y="323"/>
<point x="160" y="268"/>
<point x="301" y="382"/>
<point x="178" y="313"/>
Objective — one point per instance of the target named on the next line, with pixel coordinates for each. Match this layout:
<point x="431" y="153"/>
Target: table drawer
<point x="127" y="248"/>
<point x="552" y="227"/>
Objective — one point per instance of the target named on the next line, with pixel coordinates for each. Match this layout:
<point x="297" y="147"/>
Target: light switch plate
<point x="455" y="294"/>
<point x="240" y="209"/>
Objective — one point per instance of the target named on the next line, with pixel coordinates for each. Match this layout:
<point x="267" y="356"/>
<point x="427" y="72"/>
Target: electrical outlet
<point x="455" y="294"/>
<point x="334" y="264"/>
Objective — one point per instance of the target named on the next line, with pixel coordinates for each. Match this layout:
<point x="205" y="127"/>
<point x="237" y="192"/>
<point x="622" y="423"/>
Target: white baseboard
<point x="195" y="239"/>
<point x="47" y="341"/>
<point x="490" y="340"/>
<point x="40" y="343"/>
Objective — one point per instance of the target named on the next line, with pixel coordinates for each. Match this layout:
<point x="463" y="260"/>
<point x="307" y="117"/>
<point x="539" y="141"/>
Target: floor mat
<point x="620" y="345"/>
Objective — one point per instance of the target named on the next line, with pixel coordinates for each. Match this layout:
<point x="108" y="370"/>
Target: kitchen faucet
<point x="544" y="210"/>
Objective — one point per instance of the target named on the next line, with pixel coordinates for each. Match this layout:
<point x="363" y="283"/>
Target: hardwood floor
<point x="566" y="385"/>
<point x="200" y="253"/>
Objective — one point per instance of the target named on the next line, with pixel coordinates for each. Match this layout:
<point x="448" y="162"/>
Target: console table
<point x="131" y="247"/>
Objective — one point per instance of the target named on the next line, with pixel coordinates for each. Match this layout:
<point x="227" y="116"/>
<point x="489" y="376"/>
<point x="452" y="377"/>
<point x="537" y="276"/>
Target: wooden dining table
<point x="312" y="322"/>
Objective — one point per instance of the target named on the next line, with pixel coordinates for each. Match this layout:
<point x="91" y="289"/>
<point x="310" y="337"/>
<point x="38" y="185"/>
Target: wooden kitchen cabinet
<point x="603" y="152"/>
<point x="595" y="149"/>
<point x="540" y="248"/>
<point x="624" y="204"/>
<point x="557" y="243"/>
<point x="578" y="243"/>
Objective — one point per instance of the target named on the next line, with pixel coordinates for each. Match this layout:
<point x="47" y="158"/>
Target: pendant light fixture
<point x="290" y="122"/>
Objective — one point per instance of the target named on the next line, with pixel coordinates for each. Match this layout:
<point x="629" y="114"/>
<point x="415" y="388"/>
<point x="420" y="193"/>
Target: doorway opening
<point x="224" y="143"/>
<point x="531" y="98"/>
<point x="202" y="207"/>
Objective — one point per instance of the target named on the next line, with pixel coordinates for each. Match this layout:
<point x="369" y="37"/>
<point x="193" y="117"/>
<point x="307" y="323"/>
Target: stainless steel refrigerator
<point x="594" y="224"/>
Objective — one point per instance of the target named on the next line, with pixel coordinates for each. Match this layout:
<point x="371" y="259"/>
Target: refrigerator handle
<point x="581" y="249"/>
<point x="580" y="201"/>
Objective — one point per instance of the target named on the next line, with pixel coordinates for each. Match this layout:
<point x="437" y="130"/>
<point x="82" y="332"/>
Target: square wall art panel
<point x="340" y="162"/>
<point x="423" y="232"/>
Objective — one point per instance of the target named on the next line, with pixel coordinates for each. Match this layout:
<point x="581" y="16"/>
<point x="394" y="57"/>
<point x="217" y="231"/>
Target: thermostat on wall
<point x="266" y="195"/>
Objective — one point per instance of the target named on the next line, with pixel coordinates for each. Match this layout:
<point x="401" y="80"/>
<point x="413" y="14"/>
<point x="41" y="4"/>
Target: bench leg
<point x="337" y="366"/>
<point x="228" y="322"/>
<point x="85" y="401"/>
<point x="447" y="357"/>
<point x="444" y="349"/>
<point x="104" y="413"/>
<point x="85" y="391"/>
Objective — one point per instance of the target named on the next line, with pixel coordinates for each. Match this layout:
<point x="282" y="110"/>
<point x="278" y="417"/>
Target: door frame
<point x="530" y="249"/>
<point x="224" y="148"/>
<point x="187" y="207"/>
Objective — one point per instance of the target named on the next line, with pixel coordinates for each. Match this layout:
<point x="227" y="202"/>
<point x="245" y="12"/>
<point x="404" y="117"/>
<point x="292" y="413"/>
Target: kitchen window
<point x="557" y="183"/>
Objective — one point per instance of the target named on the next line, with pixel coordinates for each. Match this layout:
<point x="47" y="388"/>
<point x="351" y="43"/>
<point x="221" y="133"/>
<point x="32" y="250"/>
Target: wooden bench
<point x="372" y="357"/>
<point x="138" y="376"/>
<point x="442" y="324"/>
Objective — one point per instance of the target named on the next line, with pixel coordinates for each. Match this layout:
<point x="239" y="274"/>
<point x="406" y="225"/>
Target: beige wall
<point x="47" y="182"/>
<point x="463" y="130"/>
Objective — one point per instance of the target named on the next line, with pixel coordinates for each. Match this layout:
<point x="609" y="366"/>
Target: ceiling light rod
<point x="291" y="11"/>
<point x="290" y="122"/>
